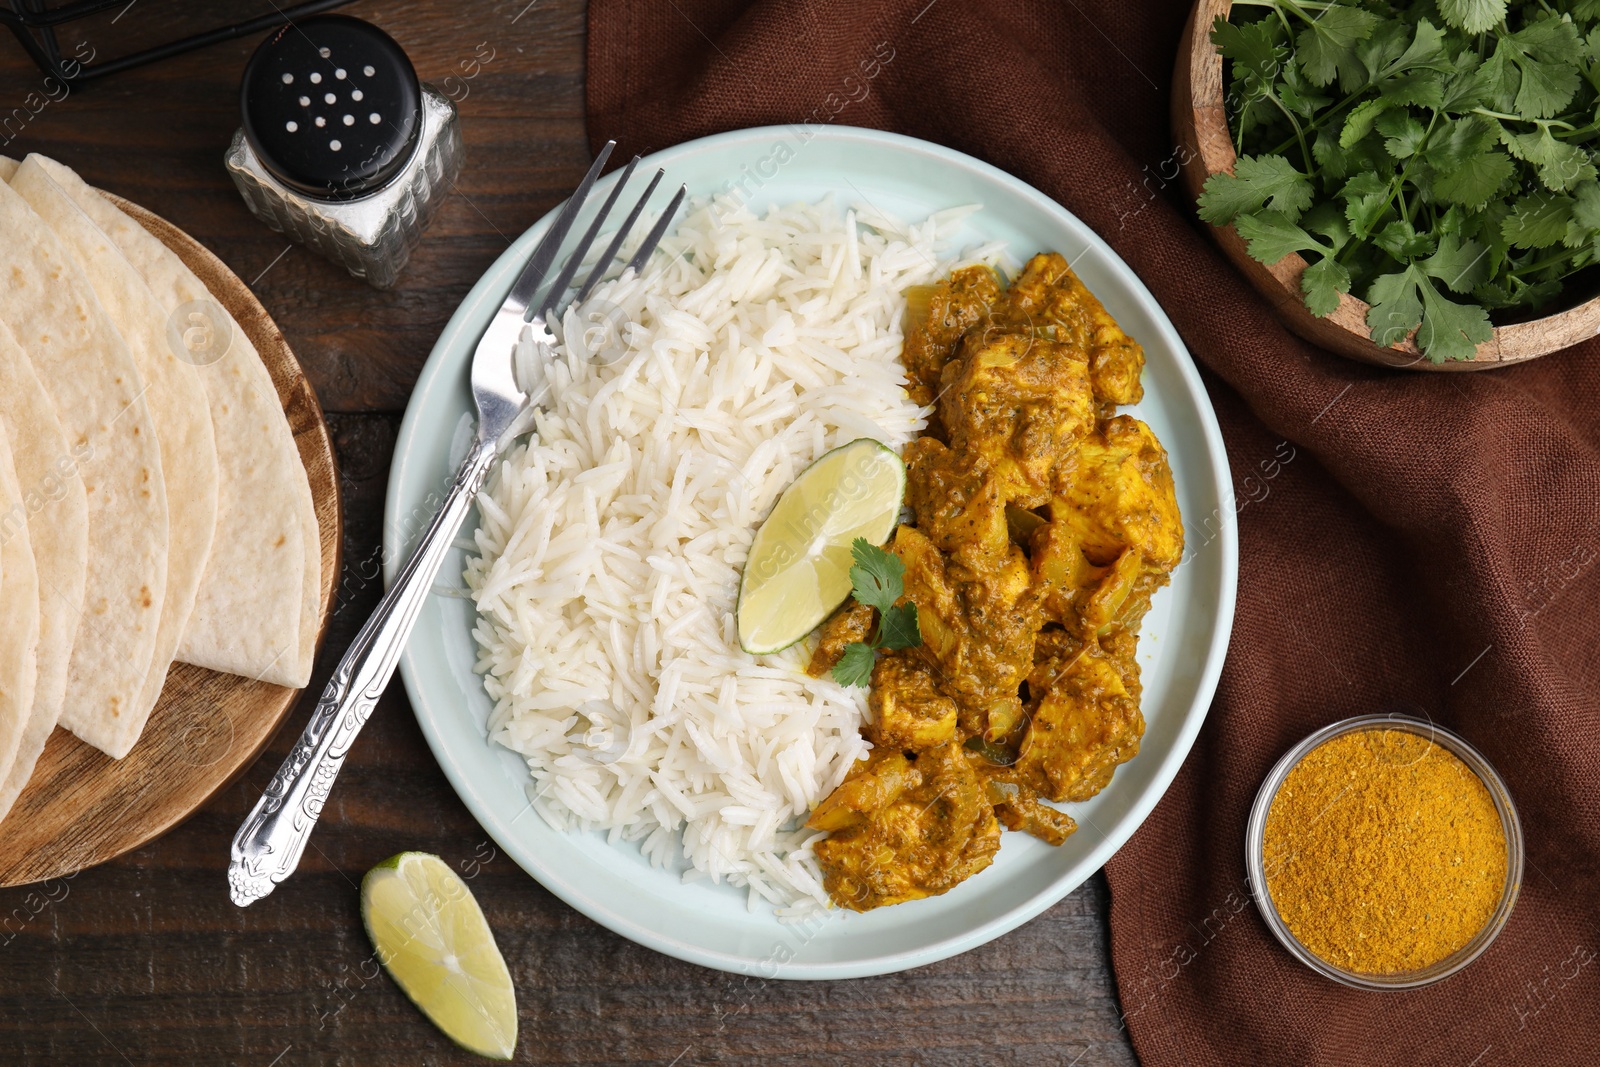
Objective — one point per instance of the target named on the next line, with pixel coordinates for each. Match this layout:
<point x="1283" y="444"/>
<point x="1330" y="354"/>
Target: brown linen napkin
<point x="1418" y="542"/>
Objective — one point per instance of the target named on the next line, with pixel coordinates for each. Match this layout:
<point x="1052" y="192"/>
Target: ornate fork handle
<point x="269" y="844"/>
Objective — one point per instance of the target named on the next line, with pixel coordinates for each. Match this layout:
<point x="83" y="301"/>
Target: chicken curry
<point x="1043" y="522"/>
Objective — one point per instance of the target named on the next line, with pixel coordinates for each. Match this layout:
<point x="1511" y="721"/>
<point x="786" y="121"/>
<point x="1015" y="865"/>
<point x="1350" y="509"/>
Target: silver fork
<point x="269" y="844"/>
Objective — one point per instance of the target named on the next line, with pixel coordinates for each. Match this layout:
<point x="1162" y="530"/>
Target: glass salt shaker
<point x="342" y="149"/>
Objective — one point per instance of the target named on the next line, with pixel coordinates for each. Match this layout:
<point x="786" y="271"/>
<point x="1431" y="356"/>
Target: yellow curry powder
<point x="1384" y="852"/>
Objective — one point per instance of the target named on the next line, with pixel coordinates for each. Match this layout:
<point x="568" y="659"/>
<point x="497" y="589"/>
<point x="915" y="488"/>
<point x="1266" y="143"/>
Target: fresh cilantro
<point x="1585" y="224"/>
<point x="1408" y="300"/>
<point x="1403" y="133"/>
<point x="1450" y="330"/>
<point x="1396" y="307"/>
<point x="1270" y="182"/>
<point x="878" y="581"/>
<point x="1402" y="241"/>
<point x="1426" y="51"/>
<point x="1327" y="220"/>
<point x="1251" y="49"/>
<point x="1360" y="121"/>
<point x="898" y="628"/>
<point x="1546" y="52"/>
<point x="878" y="577"/>
<point x="1322" y="283"/>
<point x="1327" y="45"/>
<point x="1474" y="179"/>
<point x="1474" y="16"/>
<point x="1256" y="55"/>
<point x="1468" y="87"/>
<point x="1461" y="140"/>
<point x="1388" y="40"/>
<point x="1367" y="197"/>
<point x="1271" y="236"/>
<point x="1586" y="205"/>
<point x="1422" y="88"/>
<point x="855" y="666"/>
<point x="1560" y="165"/>
<point x="1538" y="220"/>
<point x="1437" y="156"/>
<point x="1298" y="94"/>
<point x="1462" y="264"/>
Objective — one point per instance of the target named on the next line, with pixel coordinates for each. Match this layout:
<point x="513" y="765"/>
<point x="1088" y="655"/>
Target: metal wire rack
<point x="35" y="24"/>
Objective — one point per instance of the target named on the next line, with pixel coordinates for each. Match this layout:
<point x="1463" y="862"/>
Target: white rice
<point x="611" y="545"/>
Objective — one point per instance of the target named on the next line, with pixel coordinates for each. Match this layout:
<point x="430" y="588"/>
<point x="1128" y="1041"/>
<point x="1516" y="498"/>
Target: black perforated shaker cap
<point x="331" y="106"/>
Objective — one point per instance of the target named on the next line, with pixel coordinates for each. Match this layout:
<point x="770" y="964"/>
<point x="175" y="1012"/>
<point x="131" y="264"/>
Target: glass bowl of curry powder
<point x="1384" y="852"/>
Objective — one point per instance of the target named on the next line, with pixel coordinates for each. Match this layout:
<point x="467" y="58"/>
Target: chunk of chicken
<point x="929" y="585"/>
<point x="876" y="781"/>
<point x="960" y="505"/>
<point x="1021" y="809"/>
<point x="1120" y="495"/>
<point x="1047" y="293"/>
<point x="1059" y="557"/>
<point x="952" y="307"/>
<point x="930" y="838"/>
<point x="1017" y="403"/>
<point x="908" y="711"/>
<point x="1085" y="725"/>
<point x="1121" y="645"/>
<point x="977" y="629"/>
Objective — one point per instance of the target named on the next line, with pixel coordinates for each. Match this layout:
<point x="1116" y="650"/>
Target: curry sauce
<point x="1044" y="522"/>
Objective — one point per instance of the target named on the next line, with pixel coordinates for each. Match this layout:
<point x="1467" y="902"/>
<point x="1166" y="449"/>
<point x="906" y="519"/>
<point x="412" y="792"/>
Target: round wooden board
<point x="81" y="807"/>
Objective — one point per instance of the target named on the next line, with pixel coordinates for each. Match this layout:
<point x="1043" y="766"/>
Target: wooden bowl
<point x="1205" y="147"/>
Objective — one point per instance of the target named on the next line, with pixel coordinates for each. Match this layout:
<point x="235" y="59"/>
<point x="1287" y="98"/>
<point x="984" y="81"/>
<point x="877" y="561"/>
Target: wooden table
<point x="145" y="960"/>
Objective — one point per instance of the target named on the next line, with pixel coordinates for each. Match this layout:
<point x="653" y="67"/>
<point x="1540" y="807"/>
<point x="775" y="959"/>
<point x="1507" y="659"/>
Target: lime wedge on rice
<point x="799" y="565"/>
<point x="432" y="937"/>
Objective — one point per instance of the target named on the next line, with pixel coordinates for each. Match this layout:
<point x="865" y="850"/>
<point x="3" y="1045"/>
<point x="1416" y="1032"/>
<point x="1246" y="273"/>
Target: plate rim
<point x="1166" y="770"/>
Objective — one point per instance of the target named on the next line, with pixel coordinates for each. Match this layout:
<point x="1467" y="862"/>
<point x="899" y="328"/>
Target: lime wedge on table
<point x="799" y="566"/>
<point x="433" y="938"/>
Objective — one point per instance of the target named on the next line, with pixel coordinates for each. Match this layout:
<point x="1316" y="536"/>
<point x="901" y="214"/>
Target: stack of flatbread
<point x="153" y="506"/>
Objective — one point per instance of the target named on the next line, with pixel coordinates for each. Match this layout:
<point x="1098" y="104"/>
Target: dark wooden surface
<point x="144" y="960"/>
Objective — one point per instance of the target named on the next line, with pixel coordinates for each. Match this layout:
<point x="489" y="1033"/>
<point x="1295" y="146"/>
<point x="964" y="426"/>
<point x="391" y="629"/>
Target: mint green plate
<point x="1185" y="634"/>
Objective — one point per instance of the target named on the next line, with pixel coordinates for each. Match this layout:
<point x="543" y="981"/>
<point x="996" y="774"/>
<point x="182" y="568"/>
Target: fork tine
<point x="575" y="258"/>
<point x="657" y="232"/>
<point x="617" y="239"/>
<point x="544" y="254"/>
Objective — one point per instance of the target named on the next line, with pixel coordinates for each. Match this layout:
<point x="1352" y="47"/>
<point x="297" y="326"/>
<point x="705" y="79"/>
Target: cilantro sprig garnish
<point x="877" y="580"/>
<point x="1440" y="172"/>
